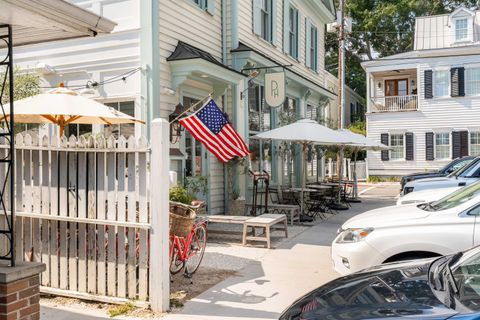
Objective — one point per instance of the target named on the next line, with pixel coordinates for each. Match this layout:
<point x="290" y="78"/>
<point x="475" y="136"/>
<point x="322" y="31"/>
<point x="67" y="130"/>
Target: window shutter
<point x="428" y="83"/>
<point x="456" y="144"/>
<point x="257" y="16"/>
<point x="286" y="8"/>
<point x="458" y="82"/>
<point x="409" y="142"/>
<point x="429" y="146"/>
<point x="308" y="37"/>
<point x="211" y="6"/>
<point x="463" y="143"/>
<point x="384" y="140"/>
<point x="273" y="37"/>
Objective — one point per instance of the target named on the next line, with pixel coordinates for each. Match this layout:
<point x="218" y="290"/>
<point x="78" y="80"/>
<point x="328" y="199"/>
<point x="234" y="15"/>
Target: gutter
<point x="224" y="32"/>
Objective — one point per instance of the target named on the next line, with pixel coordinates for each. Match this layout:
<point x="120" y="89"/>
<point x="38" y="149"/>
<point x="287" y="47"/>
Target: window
<point x="442" y="145"/>
<point x="311" y="46"/>
<point x="288" y="112"/>
<point x="397" y="144"/>
<point x="126" y="130"/>
<point x="472" y="81"/>
<point x="441" y="83"/>
<point x="266" y="18"/>
<point x="461" y="29"/>
<point x="201" y="3"/>
<point x="312" y="113"/>
<point x="474" y="143"/>
<point x="293" y="32"/>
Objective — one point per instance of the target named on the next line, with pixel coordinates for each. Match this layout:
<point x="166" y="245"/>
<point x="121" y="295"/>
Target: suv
<point x="462" y="177"/>
<point x="454" y="165"/>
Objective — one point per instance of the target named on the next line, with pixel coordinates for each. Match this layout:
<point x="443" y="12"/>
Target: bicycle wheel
<point x="176" y="265"/>
<point x="197" y="249"/>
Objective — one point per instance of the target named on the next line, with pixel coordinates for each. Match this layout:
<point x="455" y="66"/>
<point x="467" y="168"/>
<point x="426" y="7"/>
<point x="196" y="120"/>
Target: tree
<point x="24" y="85"/>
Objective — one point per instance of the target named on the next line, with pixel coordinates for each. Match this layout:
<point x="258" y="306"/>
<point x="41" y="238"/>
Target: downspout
<point x="224" y="60"/>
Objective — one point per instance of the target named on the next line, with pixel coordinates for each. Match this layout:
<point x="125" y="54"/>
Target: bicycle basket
<point x="182" y="218"/>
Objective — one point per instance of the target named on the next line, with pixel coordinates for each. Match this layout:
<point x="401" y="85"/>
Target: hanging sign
<point x="275" y="88"/>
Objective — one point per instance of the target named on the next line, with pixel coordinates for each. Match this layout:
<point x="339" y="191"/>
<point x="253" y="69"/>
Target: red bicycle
<point x="187" y="252"/>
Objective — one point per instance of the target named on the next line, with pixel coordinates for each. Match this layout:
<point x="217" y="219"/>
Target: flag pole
<point x="191" y="107"/>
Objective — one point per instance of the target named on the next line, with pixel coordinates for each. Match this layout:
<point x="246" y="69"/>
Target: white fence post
<point x="159" y="245"/>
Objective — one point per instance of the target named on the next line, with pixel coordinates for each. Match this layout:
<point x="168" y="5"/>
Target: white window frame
<point x="308" y="46"/>
<point x="449" y="83"/>
<point x="466" y="29"/>
<point x="477" y="132"/>
<point x="449" y="147"/>
<point x="297" y="34"/>
<point x="467" y="70"/>
<point x="390" y="135"/>
<point x="202" y="4"/>
<point x="268" y="11"/>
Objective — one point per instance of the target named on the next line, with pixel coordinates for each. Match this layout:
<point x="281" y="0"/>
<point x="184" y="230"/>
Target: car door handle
<point x="462" y="184"/>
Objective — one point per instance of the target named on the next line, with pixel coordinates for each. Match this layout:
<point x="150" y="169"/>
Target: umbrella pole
<point x="303" y="175"/>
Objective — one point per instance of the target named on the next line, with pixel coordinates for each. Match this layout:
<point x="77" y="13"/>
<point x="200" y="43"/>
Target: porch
<point x="392" y="91"/>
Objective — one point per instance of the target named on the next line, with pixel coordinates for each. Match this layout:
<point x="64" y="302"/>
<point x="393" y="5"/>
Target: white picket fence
<point x="348" y="169"/>
<point x="82" y="209"/>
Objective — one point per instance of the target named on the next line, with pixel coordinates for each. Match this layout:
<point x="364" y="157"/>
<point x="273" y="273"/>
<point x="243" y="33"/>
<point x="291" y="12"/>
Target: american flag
<point x="210" y="126"/>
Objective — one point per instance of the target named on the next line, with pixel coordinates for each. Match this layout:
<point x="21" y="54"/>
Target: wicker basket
<point x="182" y="219"/>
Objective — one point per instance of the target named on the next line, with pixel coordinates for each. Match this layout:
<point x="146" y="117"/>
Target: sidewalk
<point x="265" y="286"/>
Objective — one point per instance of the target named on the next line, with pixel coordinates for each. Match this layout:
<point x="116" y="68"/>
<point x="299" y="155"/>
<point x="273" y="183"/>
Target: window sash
<point x="472" y="81"/>
<point x="474" y="143"/>
<point x="266" y="20"/>
<point x="442" y="145"/>
<point x="441" y="83"/>
<point x="313" y="48"/>
<point x="397" y="143"/>
<point x="293" y="32"/>
<point x="201" y="3"/>
<point x="461" y="29"/>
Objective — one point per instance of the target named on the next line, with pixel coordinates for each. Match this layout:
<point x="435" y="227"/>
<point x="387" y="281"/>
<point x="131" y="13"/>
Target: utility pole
<point x="341" y="84"/>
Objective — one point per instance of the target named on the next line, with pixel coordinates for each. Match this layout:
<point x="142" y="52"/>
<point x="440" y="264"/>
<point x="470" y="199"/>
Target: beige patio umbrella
<point x="62" y="107"/>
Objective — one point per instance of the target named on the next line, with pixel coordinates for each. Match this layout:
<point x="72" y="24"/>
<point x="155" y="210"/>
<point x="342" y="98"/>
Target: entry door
<point x="396" y="87"/>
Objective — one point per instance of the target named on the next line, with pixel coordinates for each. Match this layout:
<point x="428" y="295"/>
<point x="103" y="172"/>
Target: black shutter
<point x="458" y="82"/>
<point x="429" y="146"/>
<point x="409" y="142"/>
<point x="463" y="143"/>
<point x="428" y="80"/>
<point x="456" y="149"/>
<point x="384" y="140"/>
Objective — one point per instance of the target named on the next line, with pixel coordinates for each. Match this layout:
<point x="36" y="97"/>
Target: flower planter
<point x="237" y="207"/>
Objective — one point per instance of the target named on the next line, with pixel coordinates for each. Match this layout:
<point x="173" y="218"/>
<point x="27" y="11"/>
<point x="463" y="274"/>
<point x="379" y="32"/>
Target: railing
<point x="394" y="103"/>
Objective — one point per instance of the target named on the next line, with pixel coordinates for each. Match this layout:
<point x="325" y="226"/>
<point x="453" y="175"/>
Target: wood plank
<point x="91" y="229"/>
<point x="45" y="209"/>
<point x="101" y="214"/>
<point x="143" y="216"/>
<point x="111" y="215"/>
<point x="121" y="216"/>
<point x="19" y="198"/>
<point x="82" y="213"/>
<point x="54" y="211"/>
<point x="36" y="235"/>
<point x="27" y="181"/>
<point x="132" y="217"/>
<point x="63" y="211"/>
<point x="73" y="273"/>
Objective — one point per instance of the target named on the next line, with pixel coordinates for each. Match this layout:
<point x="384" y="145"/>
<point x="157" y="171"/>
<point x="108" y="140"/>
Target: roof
<point x="245" y="48"/>
<point x="185" y="51"/>
<point x="48" y="20"/>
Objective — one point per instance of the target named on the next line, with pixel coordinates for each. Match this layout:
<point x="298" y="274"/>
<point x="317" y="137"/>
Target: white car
<point x="428" y="195"/>
<point x="463" y="177"/>
<point x="410" y="231"/>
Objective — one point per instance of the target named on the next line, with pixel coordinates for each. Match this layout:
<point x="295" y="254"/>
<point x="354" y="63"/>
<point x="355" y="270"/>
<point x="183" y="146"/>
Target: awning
<point x="189" y="62"/>
<point x="48" y="20"/>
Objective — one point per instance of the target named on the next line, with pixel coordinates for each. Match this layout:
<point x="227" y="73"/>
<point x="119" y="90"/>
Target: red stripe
<point x="241" y="142"/>
<point x="199" y="135"/>
<point x="213" y="138"/>
<point x="227" y="141"/>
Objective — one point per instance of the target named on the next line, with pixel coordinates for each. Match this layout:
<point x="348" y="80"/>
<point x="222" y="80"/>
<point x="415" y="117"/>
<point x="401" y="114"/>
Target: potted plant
<point x="236" y="204"/>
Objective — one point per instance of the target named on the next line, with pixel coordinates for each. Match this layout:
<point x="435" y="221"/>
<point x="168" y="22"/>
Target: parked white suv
<point x="428" y="195"/>
<point x="463" y="177"/>
<point x="410" y="231"/>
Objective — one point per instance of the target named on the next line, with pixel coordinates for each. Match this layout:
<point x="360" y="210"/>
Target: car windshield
<point x="466" y="274"/>
<point x="454" y="199"/>
<point x="455" y="165"/>
<point x="471" y="170"/>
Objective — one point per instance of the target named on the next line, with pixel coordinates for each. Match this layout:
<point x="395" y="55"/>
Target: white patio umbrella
<point x="62" y="107"/>
<point x="360" y="142"/>
<point x="306" y="132"/>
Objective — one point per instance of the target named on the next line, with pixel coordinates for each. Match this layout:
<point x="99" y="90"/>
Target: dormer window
<point x="461" y="30"/>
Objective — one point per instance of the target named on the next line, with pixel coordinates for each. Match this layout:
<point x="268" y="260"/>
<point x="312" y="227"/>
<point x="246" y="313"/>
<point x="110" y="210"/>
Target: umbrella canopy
<point x="305" y="131"/>
<point x="62" y="107"/>
<point x="361" y="142"/>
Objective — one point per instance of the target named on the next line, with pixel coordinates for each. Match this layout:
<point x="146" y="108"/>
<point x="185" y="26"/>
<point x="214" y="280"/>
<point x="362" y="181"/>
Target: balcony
<point x="394" y="103"/>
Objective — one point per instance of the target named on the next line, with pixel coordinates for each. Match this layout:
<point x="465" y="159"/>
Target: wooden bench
<point x="266" y="222"/>
<point x="292" y="211"/>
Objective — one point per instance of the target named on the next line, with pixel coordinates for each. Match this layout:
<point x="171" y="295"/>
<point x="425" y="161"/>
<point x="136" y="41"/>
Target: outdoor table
<point x="320" y="187"/>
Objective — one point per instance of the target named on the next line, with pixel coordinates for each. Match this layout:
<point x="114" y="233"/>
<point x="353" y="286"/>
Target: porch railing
<point x="394" y="103"/>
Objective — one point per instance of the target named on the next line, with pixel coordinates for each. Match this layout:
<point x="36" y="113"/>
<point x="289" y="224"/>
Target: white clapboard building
<point x="425" y="104"/>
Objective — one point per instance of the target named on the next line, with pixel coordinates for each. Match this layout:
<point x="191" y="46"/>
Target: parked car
<point x="454" y="165"/>
<point x="445" y="287"/>
<point x="462" y="177"/>
<point x="428" y="195"/>
<point x="409" y="231"/>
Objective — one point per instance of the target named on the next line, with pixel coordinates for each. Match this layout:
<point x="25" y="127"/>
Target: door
<point x="395" y="92"/>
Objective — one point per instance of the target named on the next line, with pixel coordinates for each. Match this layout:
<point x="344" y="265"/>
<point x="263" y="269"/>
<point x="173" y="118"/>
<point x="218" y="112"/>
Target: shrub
<point x="180" y="194"/>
